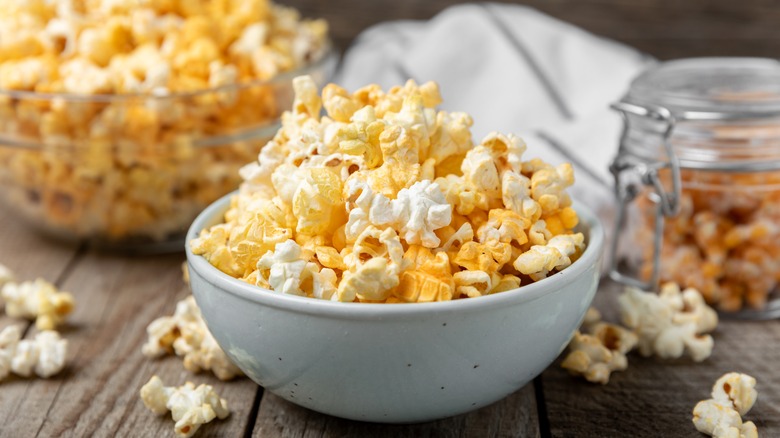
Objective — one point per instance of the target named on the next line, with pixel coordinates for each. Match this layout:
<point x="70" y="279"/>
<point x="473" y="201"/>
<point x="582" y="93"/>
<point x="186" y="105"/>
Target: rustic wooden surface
<point x="97" y="394"/>
<point x="663" y="28"/>
<point x="117" y="296"/>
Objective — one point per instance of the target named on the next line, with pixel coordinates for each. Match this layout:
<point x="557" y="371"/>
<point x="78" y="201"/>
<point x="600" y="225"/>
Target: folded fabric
<point x="514" y="70"/>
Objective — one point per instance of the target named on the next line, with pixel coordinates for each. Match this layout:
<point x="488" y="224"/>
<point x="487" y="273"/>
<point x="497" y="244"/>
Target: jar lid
<point x="711" y="88"/>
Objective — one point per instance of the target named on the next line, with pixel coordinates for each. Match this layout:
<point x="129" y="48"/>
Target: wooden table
<point x="117" y="296"/>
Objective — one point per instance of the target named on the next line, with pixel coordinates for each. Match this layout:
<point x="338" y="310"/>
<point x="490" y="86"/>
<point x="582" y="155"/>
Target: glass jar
<point x="697" y="177"/>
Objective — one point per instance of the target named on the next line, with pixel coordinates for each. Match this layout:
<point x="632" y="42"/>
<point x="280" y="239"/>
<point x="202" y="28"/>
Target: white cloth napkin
<point x="514" y="70"/>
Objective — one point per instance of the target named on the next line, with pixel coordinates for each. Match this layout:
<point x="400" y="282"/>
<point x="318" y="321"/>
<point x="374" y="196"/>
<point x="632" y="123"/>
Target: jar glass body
<point x="723" y="237"/>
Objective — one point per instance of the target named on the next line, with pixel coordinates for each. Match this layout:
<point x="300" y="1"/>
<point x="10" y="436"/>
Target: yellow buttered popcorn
<point x="385" y="199"/>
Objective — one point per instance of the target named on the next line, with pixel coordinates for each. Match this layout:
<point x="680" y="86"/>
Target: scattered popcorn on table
<point x="387" y="200"/>
<point x="185" y="333"/>
<point x="190" y="407"/>
<point x="670" y="323"/>
<point x="130" y="163"/>
<point x="45" y="355"/>
<point x="601" y="351"/>
<point x="721" y="416"/>
<point x="38" y="300"/>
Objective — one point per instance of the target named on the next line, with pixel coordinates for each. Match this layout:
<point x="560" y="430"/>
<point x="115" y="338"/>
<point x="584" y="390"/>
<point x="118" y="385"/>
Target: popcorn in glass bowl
<point x="121" y="120"/>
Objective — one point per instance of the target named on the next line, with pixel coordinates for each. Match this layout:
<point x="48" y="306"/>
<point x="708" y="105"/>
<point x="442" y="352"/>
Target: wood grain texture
<point x="654" y="397"/>
<point x="515" y="416"/>
<point x="97" y="394"/>
<point x="663" y="28"/>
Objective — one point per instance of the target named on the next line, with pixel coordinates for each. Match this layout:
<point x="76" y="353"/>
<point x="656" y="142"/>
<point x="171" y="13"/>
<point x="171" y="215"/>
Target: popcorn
<point x="670" y="323"/>
<point x="602" y="350"/>
<point x="173" y="79"/>
<point x="39" y="301"/>
<point x="387" y="200"/>
<point x="722" y="241"/>
<point x="538" y="261"/>
<point x="588" y="357"/>
<point x="737" y="390"/>
<point x="190" y="407"/>
<point x="186" y="334"/>
<point x="45" y="355"/>
<point x="431" y="281"/>
<point x="284" y="270"/>
<point x="720" y="416"/>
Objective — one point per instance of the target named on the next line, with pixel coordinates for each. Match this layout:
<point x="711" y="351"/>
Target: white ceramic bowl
<point x="395" y="363"/>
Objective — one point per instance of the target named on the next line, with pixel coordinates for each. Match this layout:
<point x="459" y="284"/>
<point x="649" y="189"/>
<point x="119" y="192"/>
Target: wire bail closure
<point x="667" y="202"/>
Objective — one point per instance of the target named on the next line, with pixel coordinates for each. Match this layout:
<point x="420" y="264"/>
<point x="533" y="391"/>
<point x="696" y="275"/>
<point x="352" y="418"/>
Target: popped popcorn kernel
<point x="736" y="389"/>
<point x="540" y="260"/>
<point x="671" y="323"/>
<point x="37" y="300"/>
<point x="589" y="358"/>
<point x="385" y="199"/>
<point x="190" y="406"/>
<point x="185" y="334"/>
<point x="45" y="355"/>
<point x="721" y="416"/>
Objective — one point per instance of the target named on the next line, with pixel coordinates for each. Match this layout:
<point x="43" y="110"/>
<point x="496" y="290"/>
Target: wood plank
<point x="663" y="28"/>
<point x="28" y="254"/>
<point x="97" y="395"/>
<point x="655" y="397"/>
<point x="515" y="416"/>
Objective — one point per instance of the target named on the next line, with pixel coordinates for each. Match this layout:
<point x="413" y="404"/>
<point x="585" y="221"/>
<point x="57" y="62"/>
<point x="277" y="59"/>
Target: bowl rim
<point x="377" y="311"/>
<point x="328" y="59"/>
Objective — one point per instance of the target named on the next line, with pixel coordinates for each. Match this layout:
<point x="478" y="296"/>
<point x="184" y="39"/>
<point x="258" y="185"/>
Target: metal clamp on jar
<point x="697" y="178"/>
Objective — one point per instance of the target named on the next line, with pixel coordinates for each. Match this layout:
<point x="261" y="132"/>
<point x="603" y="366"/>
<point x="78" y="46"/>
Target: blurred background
<point x="664" y="29"/>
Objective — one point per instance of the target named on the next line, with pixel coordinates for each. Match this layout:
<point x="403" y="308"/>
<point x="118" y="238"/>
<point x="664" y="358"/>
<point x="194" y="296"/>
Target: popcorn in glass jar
<point x="698" y="181"/>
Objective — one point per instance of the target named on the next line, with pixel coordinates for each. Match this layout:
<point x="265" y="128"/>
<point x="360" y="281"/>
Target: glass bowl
<point x="131" y="172"/>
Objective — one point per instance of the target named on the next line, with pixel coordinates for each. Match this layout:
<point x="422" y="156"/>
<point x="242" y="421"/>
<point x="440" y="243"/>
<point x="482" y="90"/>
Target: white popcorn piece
<point x="666" y="325"/>
<point x="83" y="77"/>
<point x="286" y="272"/>
<point x="479" y="169"/>
<point x="374" y="278"/>
<point x="190" y="406"/>
<point x="38" y="300"/>
<point x="721" y="416"/>
<point x="540" y="260"/>
<point x="9" y="338"/>
<point x="737" y="390"/>
<point x="516" y="195"/>
<point x="45" y="355"/>
<point x="418" y="212"/>
<point x="252" y="38"/>
<point x="52" y="350"/>
<point x="186" y="334"/>
<point x="472" y="283"/>
<point x="673" y="341"/>
<point x="712" y="417"/>
<point x="589" y="358"/>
